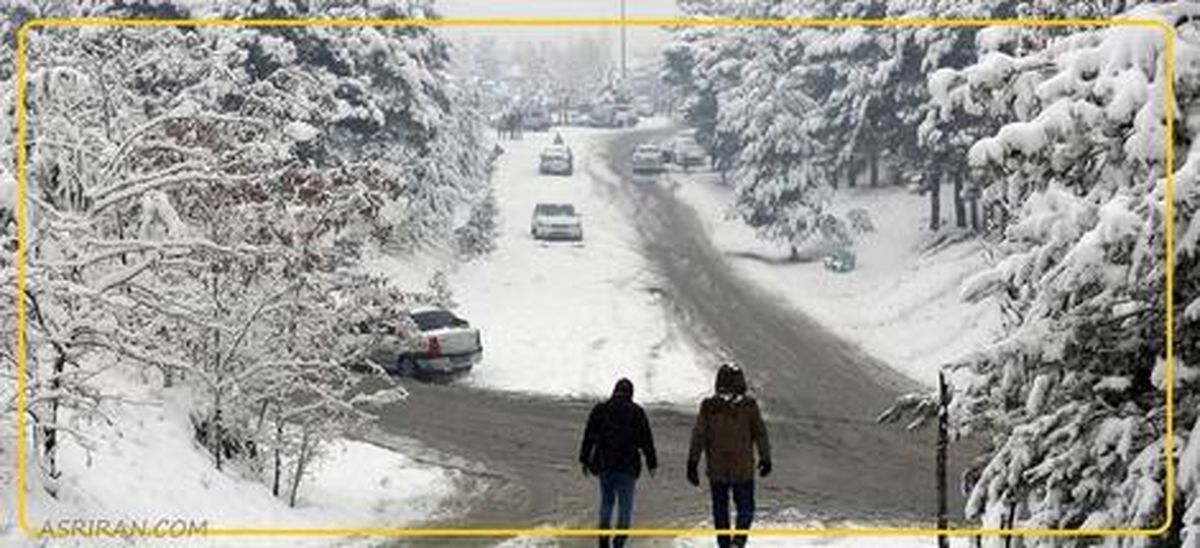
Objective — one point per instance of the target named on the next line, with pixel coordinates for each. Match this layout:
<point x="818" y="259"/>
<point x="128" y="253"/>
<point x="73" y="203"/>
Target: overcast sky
<point x="643" y="42"/>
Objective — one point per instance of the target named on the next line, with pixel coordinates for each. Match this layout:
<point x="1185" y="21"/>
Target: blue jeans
<point x="616" y="487"/>
<point x="743" y="498"/>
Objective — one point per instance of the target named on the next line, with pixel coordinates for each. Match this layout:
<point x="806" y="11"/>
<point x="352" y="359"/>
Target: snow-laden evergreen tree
<point x="781" y="181"/>
<point x="1070" y="400"/>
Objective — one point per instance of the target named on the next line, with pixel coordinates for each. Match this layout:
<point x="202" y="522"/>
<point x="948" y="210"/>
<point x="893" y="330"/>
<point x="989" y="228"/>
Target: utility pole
<point x="623" y="39"/>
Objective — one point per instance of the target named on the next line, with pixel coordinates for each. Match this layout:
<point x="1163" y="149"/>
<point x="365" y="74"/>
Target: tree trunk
<point x="960" y="206"/>
<point x="47" y="434"/>
<point x="214" y="430"/>
<point x="942" y="440"/>
<point x="975" y="214"/>
<point x="50" y="440"/>
<point x="852" y="173"/>
<point x="1008" y="524"/>
<point x="874" y="166"/>
<point x="935" y="202"/>
<point x="301" y="464"/>
<point x="278" y="475"/>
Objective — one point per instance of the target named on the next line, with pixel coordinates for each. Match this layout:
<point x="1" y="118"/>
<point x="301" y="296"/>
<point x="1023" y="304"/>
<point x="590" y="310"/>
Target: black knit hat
<point x="624" y="387"/>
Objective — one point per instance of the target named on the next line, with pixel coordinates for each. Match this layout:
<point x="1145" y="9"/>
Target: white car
<point x="447" y="345"/>
<point x="556" y="222"/>
<point x="648" y="159"/>
<point x="645" y="109"/>
<point x="556" y="160"/>
<point x="444" y="344"/>
<point x="686" y="152"/>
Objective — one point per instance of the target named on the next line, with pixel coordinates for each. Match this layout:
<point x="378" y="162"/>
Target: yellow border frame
<point x="1169" y="38"/>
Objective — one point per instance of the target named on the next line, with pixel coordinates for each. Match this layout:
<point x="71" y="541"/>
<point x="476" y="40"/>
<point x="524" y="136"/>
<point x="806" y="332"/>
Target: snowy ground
<point x="811" y="539"/>
<point x="564" y="318"/>
<point x="901" y="303"/>
<point x="144" y="465"/>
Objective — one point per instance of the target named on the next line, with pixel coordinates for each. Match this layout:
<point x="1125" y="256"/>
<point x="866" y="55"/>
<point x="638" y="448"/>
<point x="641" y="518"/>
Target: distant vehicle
<point x="686" y="152"/>
<point x="556" y="160"/>
<point x="603" y="115"/>
<point x="648" y="159"/>
<point x="645" y="109"/>
<point x="537" y="119"/>
<point x="555" y="222"/>
<point x="579" y="117"/>
<point x="448" y="345"/>
<point x="624" y="116"/>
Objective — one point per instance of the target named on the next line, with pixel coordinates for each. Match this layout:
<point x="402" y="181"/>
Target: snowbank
<point x="563" y="318"/>
<point x="901" y="304"/>
<point x="145" y="466"/>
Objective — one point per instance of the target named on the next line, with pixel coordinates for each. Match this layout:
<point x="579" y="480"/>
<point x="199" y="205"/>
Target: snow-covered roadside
<point x="901" y="304"/>
<point x="145" y="466"/>
<point x="563" y="318"/>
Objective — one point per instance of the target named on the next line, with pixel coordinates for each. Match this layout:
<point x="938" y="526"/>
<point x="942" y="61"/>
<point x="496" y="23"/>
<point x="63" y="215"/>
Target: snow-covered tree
<point x="1070" y="399"/>
<point x="200" y="200"/>
<point x="781" y="182"/>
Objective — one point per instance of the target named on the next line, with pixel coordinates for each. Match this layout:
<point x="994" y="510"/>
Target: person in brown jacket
<point x="728" y="429"/>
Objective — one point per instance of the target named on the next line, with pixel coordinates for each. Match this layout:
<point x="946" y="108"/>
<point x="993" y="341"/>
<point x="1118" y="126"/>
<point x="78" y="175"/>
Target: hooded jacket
<point x="617" y="429"/>
<point x="728" y="429"/>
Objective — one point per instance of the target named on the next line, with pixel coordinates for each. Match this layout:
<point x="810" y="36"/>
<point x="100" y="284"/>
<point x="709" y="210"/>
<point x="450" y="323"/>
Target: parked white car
<point x="645" y="108"/>
<point x="556" y="160"/>
<point x="648" y="159"/>
<point x="556" y="222"/>
<point x="448" y="345"/>
<point x="435" y="343"/>
<point x="686" y="152"/>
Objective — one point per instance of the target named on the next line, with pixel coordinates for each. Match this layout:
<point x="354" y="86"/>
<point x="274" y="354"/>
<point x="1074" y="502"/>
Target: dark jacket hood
<point x="731" y="381"/>
<point x="623" y="390"/>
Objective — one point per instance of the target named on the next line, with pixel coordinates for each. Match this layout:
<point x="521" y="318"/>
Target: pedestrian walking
<point x="616" y="439"/>
<point x="728" y="429"/>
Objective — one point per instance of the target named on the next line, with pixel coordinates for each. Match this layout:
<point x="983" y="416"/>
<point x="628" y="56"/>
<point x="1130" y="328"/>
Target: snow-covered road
<point x="821" y="394"/>
<point x="566" y="318"/>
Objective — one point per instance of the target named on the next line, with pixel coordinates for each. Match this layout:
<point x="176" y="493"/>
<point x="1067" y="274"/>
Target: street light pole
<point x="623" y="31"/>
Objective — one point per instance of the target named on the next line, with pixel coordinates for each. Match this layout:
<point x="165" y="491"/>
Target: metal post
<point x="942" y="440"/>
<point x="623" y="31"/>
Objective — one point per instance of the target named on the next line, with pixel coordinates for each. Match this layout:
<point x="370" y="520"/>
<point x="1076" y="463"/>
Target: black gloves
<point x="764" y="468"/>
<point x="583" y="466"/>
<point x="693" y="472"/>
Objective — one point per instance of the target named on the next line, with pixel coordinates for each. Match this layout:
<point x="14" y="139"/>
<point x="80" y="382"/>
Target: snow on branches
<point x="200" y="201"/>
<point x="1071" y="397"/>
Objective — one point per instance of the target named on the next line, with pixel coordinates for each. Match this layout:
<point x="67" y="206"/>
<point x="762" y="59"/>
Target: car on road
<point x="686" y="152"/>
<point x="556" y="222"/>
<point x="645" y="108"/>
<point x="624" y="116"/>
<point x="556" y="160"/>
<point x="537" y="119"/>
<point x="648" y="160"/>
<point x="447" y="345"/>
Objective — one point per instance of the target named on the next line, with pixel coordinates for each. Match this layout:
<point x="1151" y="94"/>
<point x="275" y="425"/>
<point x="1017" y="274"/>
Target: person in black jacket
<point x="616" y="431"/>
